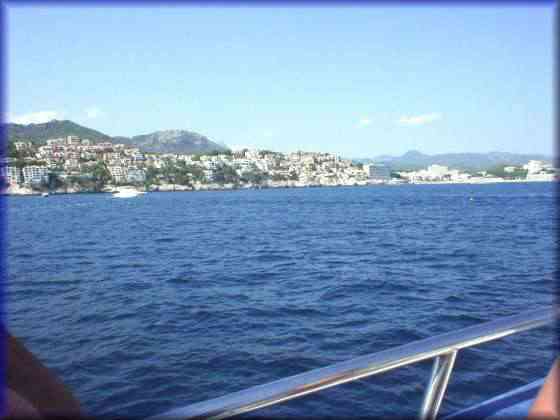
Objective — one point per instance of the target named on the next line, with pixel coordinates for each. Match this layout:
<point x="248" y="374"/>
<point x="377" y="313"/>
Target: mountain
<point x="40" y="133"/>
<point x="414" y="160"/>
<point x="168" y="141"/>
<point x="175" y="141"/>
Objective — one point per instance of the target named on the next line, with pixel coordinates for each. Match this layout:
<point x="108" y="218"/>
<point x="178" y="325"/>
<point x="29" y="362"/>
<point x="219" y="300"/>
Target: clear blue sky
<point x="356" y="81"/>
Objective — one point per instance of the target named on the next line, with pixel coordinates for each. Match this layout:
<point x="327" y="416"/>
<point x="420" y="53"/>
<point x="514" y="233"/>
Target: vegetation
<point x="218" y="152"/>
<point x="40" y="186"/>
<point x="175" y="141"/>
<point x="280" y="177"/>
<point x="20" y="163"/>
<point x="55" y="182"/>
<point x="254" y="176"/>
<point x="226" y="175"/>
<point x="179" y="173"/>
<point x="100" y="176"/>
<point x="151" y="177"/>
<point x="40" y="133"/>
<point x="19" y="154"/>
<point x="94" y="181"/>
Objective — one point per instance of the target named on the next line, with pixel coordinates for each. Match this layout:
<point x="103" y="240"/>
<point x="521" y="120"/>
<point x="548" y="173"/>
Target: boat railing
<point x="442" y="348"/>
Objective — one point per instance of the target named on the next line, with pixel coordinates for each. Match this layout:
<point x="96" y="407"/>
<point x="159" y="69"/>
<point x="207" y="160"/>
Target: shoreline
<point x="24" y="192"/>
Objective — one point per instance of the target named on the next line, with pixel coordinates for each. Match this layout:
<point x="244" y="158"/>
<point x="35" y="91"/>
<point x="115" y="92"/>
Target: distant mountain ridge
<point x="175" y="141"/>
<point x="189" y="142"/>
<point x="414" y="160"/>
<point x="166" y="141"/>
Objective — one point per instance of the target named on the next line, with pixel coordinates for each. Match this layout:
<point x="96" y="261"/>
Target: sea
<point x="147" y="304"/>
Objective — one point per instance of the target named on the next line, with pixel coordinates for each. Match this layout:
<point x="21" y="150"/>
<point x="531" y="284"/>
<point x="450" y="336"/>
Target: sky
<point x="358" y="81"/>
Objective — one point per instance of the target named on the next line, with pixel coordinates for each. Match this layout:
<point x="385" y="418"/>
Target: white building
<point x="541" y="176"/>
<point x="138" y="157"/>
<point x="105" y="146"/>
<point x="73" y="140"/>
<point x="111" y="156"/>
<point x="536" y="166"/>
<point x="35" y="174"/>
<point x="459" y="176"/>
<point x="72" y="163"/>
<point x="252" y="154"/>
<point x="117" y="173"/>
<point x="55" y="142"/>
<point x="11" y="174"/>
<point x="209" y="174"/>
<point x="22" y="145"/>
<point x="262" y="164"/>
<point x="437" y="171"/>
<point x="88" y="155"/>
<point x="212" y="164"/>
<point x="510" y="169"/>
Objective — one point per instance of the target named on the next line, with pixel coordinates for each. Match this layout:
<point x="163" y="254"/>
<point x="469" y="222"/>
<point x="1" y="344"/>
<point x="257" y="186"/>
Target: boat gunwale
<point x="442" y="345"/>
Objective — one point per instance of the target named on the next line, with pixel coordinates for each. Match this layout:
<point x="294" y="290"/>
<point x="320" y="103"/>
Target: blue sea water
<point x="146" y="304"/>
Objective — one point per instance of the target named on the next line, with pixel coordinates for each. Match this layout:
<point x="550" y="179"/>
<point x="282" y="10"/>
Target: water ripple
<point x="146" y="305"/>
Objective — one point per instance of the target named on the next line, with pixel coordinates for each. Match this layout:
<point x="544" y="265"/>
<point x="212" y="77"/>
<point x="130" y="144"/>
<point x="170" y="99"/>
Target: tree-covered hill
<point x="40" y="133"/>
<point x="167" y="141"/>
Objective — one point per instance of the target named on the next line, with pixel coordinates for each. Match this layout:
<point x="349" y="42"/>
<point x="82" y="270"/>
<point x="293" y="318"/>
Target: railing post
<point x="441" y="371"/>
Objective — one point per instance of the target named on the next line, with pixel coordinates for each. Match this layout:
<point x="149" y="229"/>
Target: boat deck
<point x="512" y="404"/>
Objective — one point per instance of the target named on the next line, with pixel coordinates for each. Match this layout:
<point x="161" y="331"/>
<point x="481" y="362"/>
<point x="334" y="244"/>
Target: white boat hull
<point x="127" y="193"/>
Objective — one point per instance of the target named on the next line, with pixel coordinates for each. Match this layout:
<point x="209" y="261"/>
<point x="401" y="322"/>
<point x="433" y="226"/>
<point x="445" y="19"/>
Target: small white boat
<point x="127" y="193"/>
<point x="45" y="194"/>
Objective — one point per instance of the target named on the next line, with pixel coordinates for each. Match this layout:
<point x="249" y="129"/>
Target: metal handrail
<point x="443" y="348"/>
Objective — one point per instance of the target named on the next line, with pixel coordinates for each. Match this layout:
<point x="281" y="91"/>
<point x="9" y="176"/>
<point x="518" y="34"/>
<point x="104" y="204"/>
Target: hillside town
<point x="72" y="164"/>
